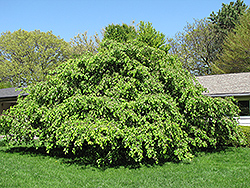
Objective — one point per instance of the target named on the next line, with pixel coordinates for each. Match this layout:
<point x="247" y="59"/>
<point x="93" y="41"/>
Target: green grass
<point x="26" y="167"/>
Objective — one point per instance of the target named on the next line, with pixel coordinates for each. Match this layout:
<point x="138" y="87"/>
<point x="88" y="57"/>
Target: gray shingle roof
<point x="236" y="84"/>
<point x="9" y="93"/>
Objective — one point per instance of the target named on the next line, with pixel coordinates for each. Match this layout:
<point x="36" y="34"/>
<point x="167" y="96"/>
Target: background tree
<point x="224" y="21"/>
<point x="236" y="49"/>
<point x="82" y="44"/>
<point x="26" y="57"/>
<point x="201" y="43"/>
<point x="195" y="47"/>
<point x="5" y="84"/>
<point x="226" y="18"/>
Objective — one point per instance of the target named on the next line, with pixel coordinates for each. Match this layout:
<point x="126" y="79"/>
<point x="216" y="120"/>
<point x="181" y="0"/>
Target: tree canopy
<point x="236" y="49"/>
<point x="130" y="102"/>
<point x="201" y="43"/>
<point x="224" y="22"/>
<point x="119" y="33"/>
<point x="5" y="84"/>
<point x="227" y="17"/>
<point x="26" y="57"/>
<point x="195" y="47"/>
<point x="145" y="33"/>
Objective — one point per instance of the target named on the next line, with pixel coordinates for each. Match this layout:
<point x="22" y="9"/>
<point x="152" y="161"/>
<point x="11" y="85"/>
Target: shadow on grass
<point x="88" y="157"/>
<point x="82" y="159"/>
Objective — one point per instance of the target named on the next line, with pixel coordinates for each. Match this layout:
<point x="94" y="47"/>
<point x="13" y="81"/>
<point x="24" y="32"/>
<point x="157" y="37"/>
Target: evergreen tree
<point x="224" y="22"/>
<point x="236" y="49"/>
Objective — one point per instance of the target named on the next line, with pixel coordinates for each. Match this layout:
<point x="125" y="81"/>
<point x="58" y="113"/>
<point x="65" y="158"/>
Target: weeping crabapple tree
<point x="128" y="102"/>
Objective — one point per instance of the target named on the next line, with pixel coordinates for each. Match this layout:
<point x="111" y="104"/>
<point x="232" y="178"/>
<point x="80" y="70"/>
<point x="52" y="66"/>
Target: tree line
<point x="213" y="45"/>
<point x="216" y="44"/>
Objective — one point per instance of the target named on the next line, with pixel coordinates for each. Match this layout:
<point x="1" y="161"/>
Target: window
<point x="244" y="107"/>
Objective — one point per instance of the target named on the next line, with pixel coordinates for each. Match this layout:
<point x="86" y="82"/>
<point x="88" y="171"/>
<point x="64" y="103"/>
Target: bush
<point x="246" y="132"/>
<point x="130" y="101"/>
<point x="2" y="141"/>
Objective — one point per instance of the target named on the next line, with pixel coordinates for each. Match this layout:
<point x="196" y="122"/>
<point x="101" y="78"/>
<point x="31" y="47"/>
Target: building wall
<point x="244" y="120"/>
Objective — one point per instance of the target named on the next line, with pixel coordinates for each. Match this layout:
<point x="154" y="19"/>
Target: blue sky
<point x="66" y="18"/>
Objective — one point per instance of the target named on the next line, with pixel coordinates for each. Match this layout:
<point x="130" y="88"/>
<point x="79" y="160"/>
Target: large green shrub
<point x="129" y="101"/>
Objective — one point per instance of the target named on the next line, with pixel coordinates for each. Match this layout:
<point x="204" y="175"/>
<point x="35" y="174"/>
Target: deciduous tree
<point x="201" y="43"/>
<point x="236" y="49"/>
<point x="27" y="57"/>
<point x="5" y="84"/>
<point x="195" y="47"/>
<point x="82" y="44"/>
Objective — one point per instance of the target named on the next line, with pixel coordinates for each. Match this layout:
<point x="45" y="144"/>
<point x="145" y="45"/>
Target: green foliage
<point x="201" y="43"/>
<point x="246" y="131"/>
<point x="145" y="33"/>
<point x="236" y="48"/>
<point x="5" y="85"/>
<point x="225" y="19"/>
<point x="26" y="57"/>
<point x="128" y="102"/>
<point x="120" y="33"/>
<point x="3" y="142"/>
<point x="223" y="22"/>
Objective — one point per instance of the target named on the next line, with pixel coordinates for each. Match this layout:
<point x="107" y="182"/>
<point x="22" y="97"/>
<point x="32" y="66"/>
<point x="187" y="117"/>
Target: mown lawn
<point x="24" y="168"/>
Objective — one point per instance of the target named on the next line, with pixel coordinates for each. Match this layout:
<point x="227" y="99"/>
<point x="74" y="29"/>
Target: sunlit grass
<point x="27" y="168"/>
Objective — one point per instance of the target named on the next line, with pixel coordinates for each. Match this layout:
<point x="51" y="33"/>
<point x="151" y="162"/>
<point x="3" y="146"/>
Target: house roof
<point x="9" y="93"/>
<point x="236" y="84"/>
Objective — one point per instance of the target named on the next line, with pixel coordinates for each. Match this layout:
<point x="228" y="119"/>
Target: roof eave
<point x="12" y="96"/>
<point x="227" y="94"/>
